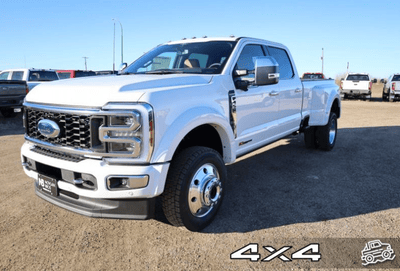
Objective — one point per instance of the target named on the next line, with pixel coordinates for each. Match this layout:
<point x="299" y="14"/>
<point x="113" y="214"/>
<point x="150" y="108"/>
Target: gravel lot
<point x="281" y="195"/>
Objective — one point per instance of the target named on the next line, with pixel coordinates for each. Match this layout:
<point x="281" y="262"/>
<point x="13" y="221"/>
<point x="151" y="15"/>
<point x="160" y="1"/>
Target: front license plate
<point x="48" y="185"/>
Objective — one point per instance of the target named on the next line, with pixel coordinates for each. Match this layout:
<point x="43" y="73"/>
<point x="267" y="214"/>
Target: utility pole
<point x="348" y="67"/>
<point x="85" y="57"/>
<point x="322" y="58"/>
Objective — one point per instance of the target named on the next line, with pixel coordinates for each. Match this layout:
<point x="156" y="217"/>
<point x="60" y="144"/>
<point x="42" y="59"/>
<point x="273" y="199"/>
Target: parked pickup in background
<point x="356" y="85"/>
<point x="167" y="125"/>
<point x="391" y="90"/>
<point x="32" y="77"/>
<point x="65" y="74"/>
<point x="312" y="75"/>
<point x="12" y="95"/>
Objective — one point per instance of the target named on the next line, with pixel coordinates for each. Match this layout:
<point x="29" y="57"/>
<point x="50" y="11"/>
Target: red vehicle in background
<point x="309" y="75"/>
<point x="65" y="74"/>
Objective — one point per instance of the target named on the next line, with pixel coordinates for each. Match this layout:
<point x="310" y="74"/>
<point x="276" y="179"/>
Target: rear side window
<point x="396" y="78"/>
<point x="358" y="77"/>
<point x="17" y="75"/>
<point x="246" y="59"/>
<point x="285" y="66"/>
<point x="4" y="75"/>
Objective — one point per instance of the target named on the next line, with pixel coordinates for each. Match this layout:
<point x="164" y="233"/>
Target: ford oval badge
<point x="48" y="128"/>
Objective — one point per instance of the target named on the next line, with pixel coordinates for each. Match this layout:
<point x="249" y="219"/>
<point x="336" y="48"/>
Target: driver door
<point x="257" y="109"/>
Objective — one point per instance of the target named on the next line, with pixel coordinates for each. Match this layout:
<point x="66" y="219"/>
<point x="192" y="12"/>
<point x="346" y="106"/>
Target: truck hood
<point x="96" y="91"/>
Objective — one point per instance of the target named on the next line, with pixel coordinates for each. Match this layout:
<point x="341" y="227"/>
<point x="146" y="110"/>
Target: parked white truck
<point x="167" y="125"/>
<point x="391" y="89"/>
<point x="32" y="77"/>
<point x="356" y="85"/>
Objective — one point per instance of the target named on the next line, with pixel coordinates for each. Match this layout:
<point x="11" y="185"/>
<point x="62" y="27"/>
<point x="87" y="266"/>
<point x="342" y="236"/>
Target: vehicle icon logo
<point x="376" y="251"/>
<point x="48" y="128"/>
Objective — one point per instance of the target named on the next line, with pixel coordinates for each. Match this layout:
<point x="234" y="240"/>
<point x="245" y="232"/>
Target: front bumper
<point x="12" y="101"/>
<point x="96" y="200"/>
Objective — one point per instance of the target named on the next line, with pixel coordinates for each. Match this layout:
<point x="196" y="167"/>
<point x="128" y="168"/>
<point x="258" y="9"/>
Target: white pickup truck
<point x="32" y="77"/>
<point x="391" y="90"/>
<point x="356" y="85"/>
<point x="167" y="125"/>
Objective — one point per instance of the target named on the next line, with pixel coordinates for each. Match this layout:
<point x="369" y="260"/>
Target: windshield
<point x="396" y="78"/>
<point x="42" y="76"/>
<point x="358" y="77"/>
<point x="200" y="57"/>
<point x="313" y="76"/>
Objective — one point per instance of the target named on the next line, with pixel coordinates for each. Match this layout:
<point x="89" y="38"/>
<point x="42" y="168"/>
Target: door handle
<point x="274" y="93"/>
<point x="298" y="90"/>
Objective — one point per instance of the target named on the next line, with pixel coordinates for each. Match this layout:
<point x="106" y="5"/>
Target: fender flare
<point x="185" y="123"/>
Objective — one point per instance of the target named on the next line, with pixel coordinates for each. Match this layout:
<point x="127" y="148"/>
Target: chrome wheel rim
<point x="332" y="132"/>
<point x="204" y="190"/>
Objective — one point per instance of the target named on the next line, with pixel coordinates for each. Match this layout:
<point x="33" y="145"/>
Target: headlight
<point x="123" y="133"/>
<point x="127" y="132"/>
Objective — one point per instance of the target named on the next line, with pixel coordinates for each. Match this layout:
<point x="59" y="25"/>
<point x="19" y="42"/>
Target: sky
<point x="58" y="34"/>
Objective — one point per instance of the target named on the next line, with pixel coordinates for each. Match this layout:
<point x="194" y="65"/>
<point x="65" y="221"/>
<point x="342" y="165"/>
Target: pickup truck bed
<point x="12" y="94"/>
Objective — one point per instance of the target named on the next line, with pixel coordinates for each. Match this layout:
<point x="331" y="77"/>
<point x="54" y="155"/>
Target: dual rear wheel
<point x="322" y="137"/>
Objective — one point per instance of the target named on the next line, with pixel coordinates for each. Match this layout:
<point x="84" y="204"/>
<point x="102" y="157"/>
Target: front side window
<point x="285" y="66"/>
<point x="4" y="75"/>
<point x="358" y="77"/>
<point x="17" y="75"/>
<point x="198" y="57"/>
<point x="246" y="60"/>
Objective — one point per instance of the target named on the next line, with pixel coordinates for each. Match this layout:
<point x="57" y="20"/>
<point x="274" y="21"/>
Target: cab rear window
<point x="396" y="78"/>
<point x="358" y="77"/>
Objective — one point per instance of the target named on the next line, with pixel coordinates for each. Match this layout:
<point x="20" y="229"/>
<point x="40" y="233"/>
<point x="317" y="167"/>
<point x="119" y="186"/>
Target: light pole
<point x="85" y="57"/>
<point x="122" y="40"/>
<point x="322" y="58"/>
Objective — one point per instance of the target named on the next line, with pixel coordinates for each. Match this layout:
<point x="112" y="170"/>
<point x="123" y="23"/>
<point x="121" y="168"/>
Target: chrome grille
<point x="75" y="129"/>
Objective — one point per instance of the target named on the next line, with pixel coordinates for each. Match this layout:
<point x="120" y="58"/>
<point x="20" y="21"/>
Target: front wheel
<point x="195" y="188"/>
<point x="326" y="135"/>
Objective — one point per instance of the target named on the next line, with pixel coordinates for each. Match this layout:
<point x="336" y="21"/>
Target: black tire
<point x="388" y="96"/>
<point x="182" y="184"/>
<point x="383" y="96"/>
<point x="326" y="135"/>
<point x="8" y="112"/>
<point x="309" y="138"/>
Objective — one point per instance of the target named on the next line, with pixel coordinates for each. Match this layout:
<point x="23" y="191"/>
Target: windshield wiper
<point x="164" y="71"/>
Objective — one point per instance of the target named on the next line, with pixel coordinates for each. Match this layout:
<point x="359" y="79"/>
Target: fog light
<point x="127" y="182"/>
